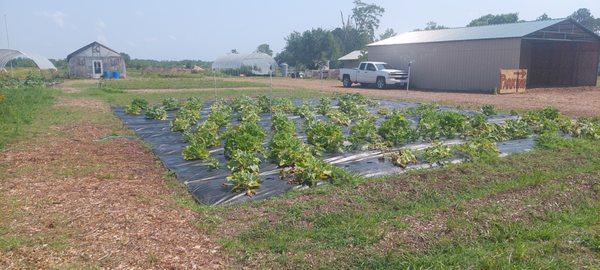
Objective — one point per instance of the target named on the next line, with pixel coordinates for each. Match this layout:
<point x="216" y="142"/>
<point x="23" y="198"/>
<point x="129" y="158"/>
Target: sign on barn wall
<point x="512" y="81"/>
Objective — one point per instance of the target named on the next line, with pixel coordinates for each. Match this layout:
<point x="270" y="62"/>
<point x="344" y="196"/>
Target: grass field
<point x="19" y="108"/>
<point x="528" y="211"/>
<point x="176" y="83"/>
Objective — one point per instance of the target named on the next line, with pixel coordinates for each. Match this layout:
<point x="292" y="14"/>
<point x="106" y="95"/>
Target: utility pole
<point x="7" y="40"/>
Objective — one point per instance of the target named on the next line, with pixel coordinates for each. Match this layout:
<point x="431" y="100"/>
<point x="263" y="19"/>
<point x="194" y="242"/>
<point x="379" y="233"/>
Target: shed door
<point x="97" y="68"/>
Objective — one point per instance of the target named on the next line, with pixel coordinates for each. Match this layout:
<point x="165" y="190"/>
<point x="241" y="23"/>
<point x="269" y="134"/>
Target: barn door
<point x="97" y="68"/>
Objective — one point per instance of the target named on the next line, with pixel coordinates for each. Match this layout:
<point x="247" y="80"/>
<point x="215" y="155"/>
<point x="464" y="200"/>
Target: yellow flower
<point x="2" y="98"/>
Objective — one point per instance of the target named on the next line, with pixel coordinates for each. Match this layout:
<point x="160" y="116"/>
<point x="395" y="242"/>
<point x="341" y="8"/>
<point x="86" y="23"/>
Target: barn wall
<point x="458" y="65"/>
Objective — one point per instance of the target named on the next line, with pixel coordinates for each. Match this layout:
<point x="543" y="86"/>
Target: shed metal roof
<point x="512" y="30"/>
<point x="90" y="45"/>
<point x="355" y="55"/>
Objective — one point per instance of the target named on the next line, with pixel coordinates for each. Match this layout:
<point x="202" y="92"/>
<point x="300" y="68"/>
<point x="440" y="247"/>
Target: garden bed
<point x="209" y="184"/>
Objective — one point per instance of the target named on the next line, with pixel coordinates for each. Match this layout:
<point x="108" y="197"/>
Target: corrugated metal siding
<point x="80" y="64"/>
<point x="459" y="65"/>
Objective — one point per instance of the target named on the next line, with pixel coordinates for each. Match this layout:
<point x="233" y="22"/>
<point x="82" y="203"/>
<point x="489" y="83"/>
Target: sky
<point x="204" y="30"/>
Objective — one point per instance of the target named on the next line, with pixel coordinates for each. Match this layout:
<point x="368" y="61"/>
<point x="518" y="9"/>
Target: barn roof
<point x="355" y="55"/>
<point x="512" y="30"/>
<point x="90" y="45"/>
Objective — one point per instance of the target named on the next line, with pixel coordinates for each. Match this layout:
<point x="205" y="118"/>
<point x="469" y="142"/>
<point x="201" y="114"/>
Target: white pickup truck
<point x="373" y="73"/>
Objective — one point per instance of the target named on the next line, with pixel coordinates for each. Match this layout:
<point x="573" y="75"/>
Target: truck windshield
<point x="383" y="66"/>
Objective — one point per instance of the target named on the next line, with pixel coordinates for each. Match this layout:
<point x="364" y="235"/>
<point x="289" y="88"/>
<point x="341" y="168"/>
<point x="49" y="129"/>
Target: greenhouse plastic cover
<point x="260" y="63"/>
<point x="210" y="186"/>
<point x="7" y="54"/>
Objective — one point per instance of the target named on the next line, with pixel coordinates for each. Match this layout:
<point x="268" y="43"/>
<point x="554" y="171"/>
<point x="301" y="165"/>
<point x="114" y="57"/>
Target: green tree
<point x="126" y="58"/>
<point x="585" y="18"/>
<point x="388" y="33"/>
<point x="367" y="18"/>
<point x="543" y="17"/>
<point x="431" y="25"/>
<point x="311" y="49"/>
<point x="495" y="19"/>
<point x="264" y="48"/>
<point x="234" y="51"/>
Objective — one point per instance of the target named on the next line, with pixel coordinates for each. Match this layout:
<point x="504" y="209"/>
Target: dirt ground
<point x="72" y="200"/>
<point x="575" y="101"/>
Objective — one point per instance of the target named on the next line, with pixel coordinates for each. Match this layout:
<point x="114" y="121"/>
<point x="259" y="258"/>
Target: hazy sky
<point x="177" y="29"/>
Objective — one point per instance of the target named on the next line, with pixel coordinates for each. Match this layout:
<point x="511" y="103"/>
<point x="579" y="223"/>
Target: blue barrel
<point x="116" y="75"/>
<point x="107" y="75"/>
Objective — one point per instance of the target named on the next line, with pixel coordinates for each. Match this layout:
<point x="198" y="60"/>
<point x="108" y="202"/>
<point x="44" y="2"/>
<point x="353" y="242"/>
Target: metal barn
<point x="93" y="60"/>
<point x="555" y="52"/>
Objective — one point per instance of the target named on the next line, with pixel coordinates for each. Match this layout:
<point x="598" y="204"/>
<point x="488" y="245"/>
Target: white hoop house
<point x="260" y="63"/>
<point x="7" y="54"/>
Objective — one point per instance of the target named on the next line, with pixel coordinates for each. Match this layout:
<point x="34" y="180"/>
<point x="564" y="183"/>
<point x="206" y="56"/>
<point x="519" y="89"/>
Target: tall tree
<point x="367" y="18"/>
<point x="388" y="33"/>
<point x="264" y="48"/>
<point x="495" y="19"/>
<point x="311" y="49"/>
<point x="431" y="25"/>
<point x="585" y="18"/>
<point x="543" y="17"/>
<point x="126" y="58"/>
<point x="234" y="51"/>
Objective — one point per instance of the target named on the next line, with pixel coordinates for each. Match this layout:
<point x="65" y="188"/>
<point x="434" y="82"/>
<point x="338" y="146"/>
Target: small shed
<point x="93" y="60"/>
<point x="350" y="60"/>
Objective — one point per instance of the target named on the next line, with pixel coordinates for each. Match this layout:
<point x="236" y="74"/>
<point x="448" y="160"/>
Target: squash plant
<point x="488" y="110"/>
<point x="220" y="114"/>
<point x="363" y="135"/>
<point x="281" y="123"/>
<point x="246" y="136"/>
<point x="157" y="113"/>
<point x="403" y="158"/>
<point x="339" y="118"/>
<point x="193" y="103"/>
<point x="136" y="106"/>
<point x="264" y="103"/>
<point x="184" y="119"/>
<point x="517" y="129"/>
<point x="244" y="181"/>
<point x="325" y="136"/>
<point x="396" y="129"/>
<point x="207" y="134"/>
<point x="324" y="106"/>
<point x="283" y="105"/>
<point x="195" y="151"/>
<point x="438" y="153"/>
<point x="304" y="110"/>
<point x="171" y="104"/>
<point x="241" y="160"/>
<point x="478" y="149"/>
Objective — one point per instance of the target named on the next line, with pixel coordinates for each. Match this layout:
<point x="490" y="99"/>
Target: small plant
<point x="184" y="119"/>
<point x="220" y="114"/>
<point x="281" y="123"/>
<point x="264" y="103"/>
<point x="157" y="113"/>
<point x="551" y="140"/>
<point x="396" y="129"/>
<point x="207" y="134"/>
<point x="241" y="160"/>
<point x="325" y="137"/>
<point x="282" y="105"/>
<point x="193" y="103"/>
<point x="136" y="106"/>
<point x="479" y="149"/>
<point x="364" y="135"/>
<point x="246" y="137"/>
<point x="384" y="111"/>
<point x="244" y="181"/>
<point x="196" y="151"/>
<point x="403" y="158"/>
<point x="304" y="110"/>
<point x="488" y="110"/>
<point x="517" y="129"/>
<point x="140" y="103"/>
<point x="339" y="118"/>
<point x="311" y="171"/>
<point x="324" y="106"/>
<point x="437" y="154"/>
<point x="171" y="104"/>
<point x="587" y="128"/>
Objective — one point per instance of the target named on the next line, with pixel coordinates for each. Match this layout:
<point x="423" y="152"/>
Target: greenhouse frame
<point x="41" y="62"/>
<point x="260" y="63"/>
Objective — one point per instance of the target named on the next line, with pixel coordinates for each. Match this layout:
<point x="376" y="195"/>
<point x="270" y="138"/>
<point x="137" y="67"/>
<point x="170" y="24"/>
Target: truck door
<point x="370" y="73"/>
<point x="361" y="74"/>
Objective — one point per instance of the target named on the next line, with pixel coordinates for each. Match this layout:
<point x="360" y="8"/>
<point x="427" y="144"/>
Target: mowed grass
<point x="534" y="210"/>
<point x="135" y="83"/>
<point x="19" y="108"/>
<point x="122" y="98"/>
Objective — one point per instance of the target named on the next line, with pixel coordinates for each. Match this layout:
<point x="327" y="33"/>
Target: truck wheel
<point x="347" y="83"/>
<point x="380" y="83"/>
